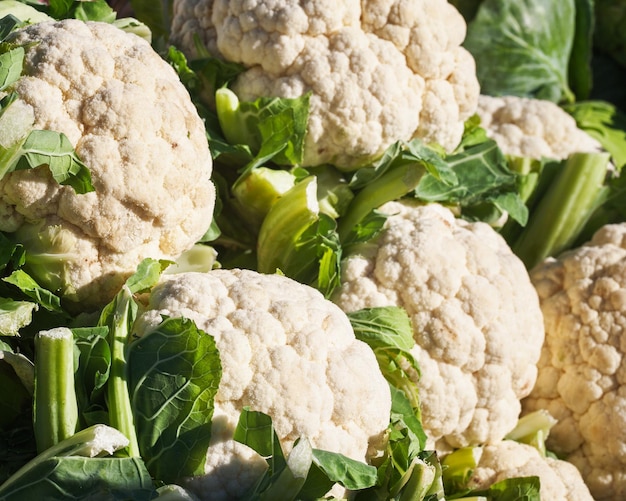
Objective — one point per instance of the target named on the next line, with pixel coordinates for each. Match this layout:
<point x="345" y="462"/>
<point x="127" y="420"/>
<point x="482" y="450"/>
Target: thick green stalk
<point x="120" y="410"/>
<point x="565" y="208"/>
<point x="55" y="405"/>
<point x="393" y="185"/>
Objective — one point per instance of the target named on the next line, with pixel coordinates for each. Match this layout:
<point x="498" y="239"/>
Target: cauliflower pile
<point x="285" y="351"/>
<point x="582" y="369"/>
<point x="134" y="125"/>
<point x="533" y="128"/>
<point x="476" y="318"/>
<point x="378" y="71"/>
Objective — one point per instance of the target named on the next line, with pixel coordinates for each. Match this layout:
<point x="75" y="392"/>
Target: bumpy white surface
<point x="476" y="318"/>
<point x="532" y="128"/>
<point x="132" y="122"/>
<point x="582" y="370"/>
<point x="379" y="71"/>
<point x="285" y="351"/>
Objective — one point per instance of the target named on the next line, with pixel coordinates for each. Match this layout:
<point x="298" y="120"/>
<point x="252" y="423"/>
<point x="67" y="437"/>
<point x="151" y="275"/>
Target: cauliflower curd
<point x="132" y="122"/>
<point x="476" y="319"/>
<point x="582" y="369"/>
<point x="379" y="72"/>
<point x="285" y="351"/>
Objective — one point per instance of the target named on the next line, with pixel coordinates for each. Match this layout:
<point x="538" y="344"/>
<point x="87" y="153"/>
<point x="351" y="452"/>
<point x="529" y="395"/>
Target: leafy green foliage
<point x="523" y="47"/>
<point x="174" y="374"/>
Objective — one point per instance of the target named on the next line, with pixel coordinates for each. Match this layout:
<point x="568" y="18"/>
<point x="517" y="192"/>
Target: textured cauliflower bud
<point x="133" y="124"/>
<point x="378" y="71"/>
<point x="582" y="370"/>
<point x="532" y="128"/>
<point x="559" y="480"/>
<point x="476" y="318"/>
<point x="286" y="351"/>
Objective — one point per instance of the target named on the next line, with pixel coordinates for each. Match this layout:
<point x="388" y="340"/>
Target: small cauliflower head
<point x="582" y="370"/>
<point x="285" y="351"/>
<point x="476" y="319"/>
<point x="559" y="480"/>
<point x="378" y="71"/>
<point x="532" y="128"/>
<point x="132" y="122"/>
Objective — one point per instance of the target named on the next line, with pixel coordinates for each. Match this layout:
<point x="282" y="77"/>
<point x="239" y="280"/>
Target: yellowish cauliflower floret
<point x="133" y="124"/>
<point x="285" y="351"/>
<point x="559" y="480"/>
<point x="476" y="318"/>
<point x="378" y="71"/>
<point x="582" y="370"/>
<point x="532" y="128"/>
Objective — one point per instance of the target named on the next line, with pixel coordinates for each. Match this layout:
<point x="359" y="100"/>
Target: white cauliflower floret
<point x="476" y="318"/>
<point x="384" y="71"/>
<point x="559" y="480"/>
<point x="581" y="379"/>
<point x="532" y="128"/>
<point x="133" y="124"/>
<point x="285" y="351"/>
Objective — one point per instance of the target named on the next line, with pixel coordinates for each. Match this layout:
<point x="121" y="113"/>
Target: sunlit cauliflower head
<point x="378" y="71"/>
<point x="559" y="480"/>
<point x="133" y="124"/>
<point x="476" y="318"/>
<point x="285" y="351"/>
<point x="532" y="128"/>
<point x="582" y="369"/>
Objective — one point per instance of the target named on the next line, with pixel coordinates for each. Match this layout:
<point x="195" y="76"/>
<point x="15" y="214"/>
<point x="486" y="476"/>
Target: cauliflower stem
<point x="564" y="207"/>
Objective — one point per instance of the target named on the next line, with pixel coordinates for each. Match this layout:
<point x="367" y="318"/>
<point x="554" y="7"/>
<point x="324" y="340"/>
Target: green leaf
<point x="174" y="373"/>
<point x="255" y="429"/>
<point x="523" y="47"/>
<point x="80" y="478"/>
<point x="148" y="273"/>
<point x="579" y="70"/>
<point x="95" y="10"/>
<point x="46" y="147"/>
<point x="43" y="297"/>
<point x="60" y="9"/>
<point x="11" y="67"/>
<point x="383" y="327"/>
<point x="352" y="474"/>
<point x="14" y="315"/>
<point x="483" y="176"/>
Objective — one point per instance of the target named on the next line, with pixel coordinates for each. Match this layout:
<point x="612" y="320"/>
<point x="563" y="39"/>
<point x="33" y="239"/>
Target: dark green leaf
<point x="174" y="374"/>
<point x="255" y="429"/>
<point x="523" y="47"/>
<point x="79" y="478"/>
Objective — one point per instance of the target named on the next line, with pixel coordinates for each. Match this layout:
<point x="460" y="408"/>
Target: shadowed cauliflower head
<point x="476" y="318"/>
<point x="532" y="128"/>
<point x="285" y="351"/>
<point x="582" y="369"/>
<point x="378" y="71"/>
<point x="133" y="124"/>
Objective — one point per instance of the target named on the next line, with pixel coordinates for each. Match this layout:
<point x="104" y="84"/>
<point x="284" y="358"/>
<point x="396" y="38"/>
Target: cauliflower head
<point x="582" y="370"/>
<point x="285" y="351"/>
<point x="476" y="319"/>
<point x="378" y="71"/>
<point x="132" y="122"/>
<point x="559" y="480"/>
<point x="533" y="128"/>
